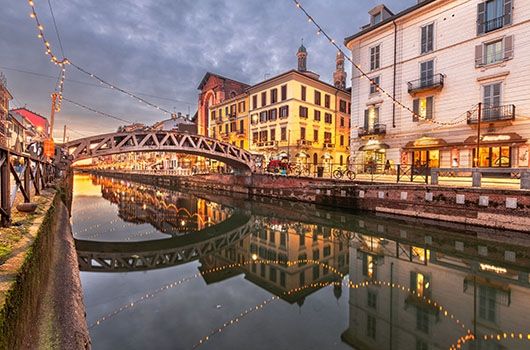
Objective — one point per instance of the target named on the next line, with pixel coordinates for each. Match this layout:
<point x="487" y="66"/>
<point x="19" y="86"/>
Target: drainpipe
<point x="395" y="72"/>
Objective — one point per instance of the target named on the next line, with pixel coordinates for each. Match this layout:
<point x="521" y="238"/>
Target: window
<point x="375" y="57"/>
<point x="241" y="145"/>
<point x="303" y="93"/>
<point x="328" y="118"/>
<point x="241" y="125"/>
<point x="341" y="140"/>
<point x="342" y="106"/>
<point x="242" y="106"/>
<point x="302" y="278"/>
<point x="317" y="97"/>
<point x="492" y="96"/>
<point x="317" y="115"/>
<point x="274" y="95"/>
<point x="273" y="134"/>
<point x="341" y="122"/>
<point x="284" y="92"/>
<point x="378" y="17"/>
<point x="233" y="110"/>
<point x="420" y="284"/>
<point x="284" y="112"/>
<point x="254" y="119"/>
<point x="272" y="274"/>
<point x="423" y="108"/>
<point x="421" y="345"/>
<point x="212" y="115"/>
<point x="233" y="126"/>
<point x="327" y="139"/>
<point x="303" y="112"/>
<point x="226" y="111"/>
<point x="254" y="137"/>
<point x="316" y="253"/>
<point x="493" y="52"/>
<point x="283" y="134"/>
<point x="273" y="114"/>
<point x="371" y="299"/>
<point x="422" y="320"/>
<point x="487" y="303"/>
<point x="315" y="135"/>
<point x="254" y="101"/>
<point x="327" y="101"/>
<point x="493" y="14"/>
<point x="370" y="326"/>
<point x="282" y="278"/>
<point x="220" y="114"/>
<point x="327" y="249"/>
<point x="427" y="73"/>
<point x="374" y="83"/>
<point x="263" y="136"/>
<point x="427" y="38"/>
<point x="263" y="98"/>
<point x="263" y="117"/>
<point x="316" y="272"/>
<point x="302" y="133"/>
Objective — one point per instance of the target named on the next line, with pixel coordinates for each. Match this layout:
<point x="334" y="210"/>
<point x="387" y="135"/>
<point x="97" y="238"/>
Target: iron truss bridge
<point x="160" y="141"/>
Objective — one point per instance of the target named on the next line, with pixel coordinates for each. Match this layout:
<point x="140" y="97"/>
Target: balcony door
<point x="491" y="101"/>
<point x="427" y="73"/>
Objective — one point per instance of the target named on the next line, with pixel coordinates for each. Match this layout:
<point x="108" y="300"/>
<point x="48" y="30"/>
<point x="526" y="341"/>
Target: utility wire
<point x="96" y="111"/>
<point x="56" y="30"/>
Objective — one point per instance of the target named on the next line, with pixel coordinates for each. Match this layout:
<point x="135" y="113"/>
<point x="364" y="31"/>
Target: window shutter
<point x="429" y="111"/>
<point x="366" y="117"/>
<point x="430" y="37"/>
<point x="287" y="110"/>
<point x="423" y="39"/>
<point x="481" y="16"/>
<point x="508" y="47"/>
<point x="478" y="56"/>
<point x="416" y="109"/>
<point x="507" y="12"/>
<point x="376" y="119"/>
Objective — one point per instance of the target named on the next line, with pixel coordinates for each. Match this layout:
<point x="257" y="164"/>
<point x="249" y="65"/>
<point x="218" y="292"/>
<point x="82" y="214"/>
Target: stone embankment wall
<point x="494" y="208"/>
<point x="43" y="306"/>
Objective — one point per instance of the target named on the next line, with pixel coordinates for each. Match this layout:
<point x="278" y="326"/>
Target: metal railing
<point x="431" y="82"/>
<point x="412" y="173"/>
<point x="27" y="173"/>
<point x="493" y="24"/>
<point x="477" y="174"/>
<point x="492" y="114"/>
<point x="376" y="129"/>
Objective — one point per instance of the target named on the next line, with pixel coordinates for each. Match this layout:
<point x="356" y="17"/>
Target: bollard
<point x="477" y="179"/>
<point x="434" y="177"/>
<point x="525" y="180"/>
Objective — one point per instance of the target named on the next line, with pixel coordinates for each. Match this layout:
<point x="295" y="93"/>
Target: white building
<point x="441" y="58"/>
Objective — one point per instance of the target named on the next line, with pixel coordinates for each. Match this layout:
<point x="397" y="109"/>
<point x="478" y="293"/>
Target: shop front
<point x="373" y="158"/>
<point x="427" y="152"/>
<point x="499" y="151"/>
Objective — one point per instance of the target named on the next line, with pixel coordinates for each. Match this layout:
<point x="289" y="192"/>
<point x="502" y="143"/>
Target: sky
<point x="161" y="49"/>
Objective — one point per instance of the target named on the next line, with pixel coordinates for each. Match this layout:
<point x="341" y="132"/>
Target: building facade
<point x="5" y="97"/>
<point x="440" y="59"/>
<point x="293" y="116"/>
<point x="229" y="121"/>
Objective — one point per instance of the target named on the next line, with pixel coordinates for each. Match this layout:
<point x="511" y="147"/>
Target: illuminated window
<point x="420" y="284"/>
<point x="423" y="108"/>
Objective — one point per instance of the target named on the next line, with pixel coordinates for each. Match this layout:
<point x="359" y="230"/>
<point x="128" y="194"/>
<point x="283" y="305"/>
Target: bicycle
<point x="301" y="171"/>
<point x="339" y="173"/>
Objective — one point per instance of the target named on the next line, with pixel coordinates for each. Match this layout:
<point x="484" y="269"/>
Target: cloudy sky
<point x="161" y="49"/>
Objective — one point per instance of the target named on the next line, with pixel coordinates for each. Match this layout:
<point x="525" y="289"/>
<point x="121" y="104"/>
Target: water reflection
<point x="406" y="286"/>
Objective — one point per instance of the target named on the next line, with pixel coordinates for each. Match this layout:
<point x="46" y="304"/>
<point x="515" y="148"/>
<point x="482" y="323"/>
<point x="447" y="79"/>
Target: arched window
<point x="232" y="94"/>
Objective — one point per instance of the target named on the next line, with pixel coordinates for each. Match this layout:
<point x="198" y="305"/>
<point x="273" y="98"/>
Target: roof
<point x="299" y="73"/>
<point x="302" y="48"/>
<point x="36" y="119"/>
<point x="209" y="74"/>
<point x="388" y="20"/>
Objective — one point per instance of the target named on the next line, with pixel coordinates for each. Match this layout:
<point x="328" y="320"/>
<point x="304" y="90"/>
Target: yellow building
<point x="293" y="116"/>
<point x="297" y="116"/>
<point x="229" y="121"/>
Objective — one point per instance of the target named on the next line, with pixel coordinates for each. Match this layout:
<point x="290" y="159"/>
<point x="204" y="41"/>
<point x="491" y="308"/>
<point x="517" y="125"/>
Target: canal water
<point x="171" y="269"/>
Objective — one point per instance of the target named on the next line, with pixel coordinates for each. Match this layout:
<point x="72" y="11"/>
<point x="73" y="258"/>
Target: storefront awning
<point x="301" y="155"/>
<point x="327" y="156"/>
<point x="426" y="143"/>
<point x="282" y="155"/>
<point x="496" y="139"/>
<point x="374" y="146"/>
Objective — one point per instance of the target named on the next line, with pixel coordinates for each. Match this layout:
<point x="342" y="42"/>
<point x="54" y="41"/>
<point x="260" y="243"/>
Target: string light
<point x="469" y="337"/>
<point x="96" y="111"/>
<point x="365" y="75"/>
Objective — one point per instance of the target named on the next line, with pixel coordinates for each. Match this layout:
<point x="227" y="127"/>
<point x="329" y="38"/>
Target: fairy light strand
<point x="332" y="41"/>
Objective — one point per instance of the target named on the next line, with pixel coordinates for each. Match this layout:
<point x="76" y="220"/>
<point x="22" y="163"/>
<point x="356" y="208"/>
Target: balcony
<point x="240" y="132"/>
<point x="328" y="145"/>
<point x="435" y="82"/>
<point x="231" y="116"/>
<point x="305" y="143"/>
<point x="492" y="114"/>
<point x="493" y="24"/>
<point x="267" y="144"/>
<point x="376" y="129"/>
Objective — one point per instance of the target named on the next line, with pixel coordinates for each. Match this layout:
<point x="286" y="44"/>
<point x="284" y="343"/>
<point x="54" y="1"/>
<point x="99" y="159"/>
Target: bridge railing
<point x="21" y="174"/>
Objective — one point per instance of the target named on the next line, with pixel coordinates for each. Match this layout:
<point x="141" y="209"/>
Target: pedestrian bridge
<point x="160" y="253"/>
<point x="160" y="141"/>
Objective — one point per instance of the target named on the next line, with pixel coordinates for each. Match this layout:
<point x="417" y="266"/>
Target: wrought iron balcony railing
<point x="267" y="144"/>
<point x="492" y="114"/>
<point x="305" y="143"/>
<point x="434" y="82"/>
<point x="376" y="129"/>
<point x="493" y="24"/>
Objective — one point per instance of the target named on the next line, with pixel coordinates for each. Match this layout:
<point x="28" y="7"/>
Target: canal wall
<point x="493" y="208"/>
<point x="42" y="304"/>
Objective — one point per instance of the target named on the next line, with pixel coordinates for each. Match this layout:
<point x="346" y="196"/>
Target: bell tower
<point x="339" y="76"/>
<point x="302" y="57"/>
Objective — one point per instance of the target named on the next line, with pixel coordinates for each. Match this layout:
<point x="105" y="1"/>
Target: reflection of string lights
<point x="197" y="275"/>
<point x="469" y="337"/>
